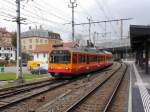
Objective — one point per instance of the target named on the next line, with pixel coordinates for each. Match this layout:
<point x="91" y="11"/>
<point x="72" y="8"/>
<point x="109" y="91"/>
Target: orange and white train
<point x="72" y="62"/>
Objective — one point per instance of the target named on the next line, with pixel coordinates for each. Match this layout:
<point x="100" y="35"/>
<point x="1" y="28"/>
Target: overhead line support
<point x="72" y="5"/>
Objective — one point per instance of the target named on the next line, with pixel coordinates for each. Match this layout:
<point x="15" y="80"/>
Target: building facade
<point x="7" y="52"/>
<point x="35" y="37"/>
<point x="41" y="53"/>
<point x="6" y="36"/>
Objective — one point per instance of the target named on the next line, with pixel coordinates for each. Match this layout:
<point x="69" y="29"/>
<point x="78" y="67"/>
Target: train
<point x="66" y="62"/>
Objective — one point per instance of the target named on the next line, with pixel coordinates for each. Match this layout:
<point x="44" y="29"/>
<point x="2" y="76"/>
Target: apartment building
<point x="34" y="37"/>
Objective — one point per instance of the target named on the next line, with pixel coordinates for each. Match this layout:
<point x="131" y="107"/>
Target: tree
<point x="14" y="39"/>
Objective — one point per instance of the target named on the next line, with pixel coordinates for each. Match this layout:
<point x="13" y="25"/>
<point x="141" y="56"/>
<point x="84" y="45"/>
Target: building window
<point x="45" y="41"/>
<point x="10" y="55"/>
<point x="30" y="40"/>
<point x="0" y="48"/>
<point x="30" y="46"/>
<point x="37" y="40"/>
<point x="37" y="55"/>
<point x="41" y="41"/>
<point x="44" y="55"/>
<point x="0" y="54"/>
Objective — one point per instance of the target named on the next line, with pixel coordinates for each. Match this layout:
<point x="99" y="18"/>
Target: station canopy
<point x="139" y="34"/>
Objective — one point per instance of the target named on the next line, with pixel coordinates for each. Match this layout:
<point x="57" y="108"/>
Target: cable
<point x="50" y="13"/>
<point x="103" y="10"/>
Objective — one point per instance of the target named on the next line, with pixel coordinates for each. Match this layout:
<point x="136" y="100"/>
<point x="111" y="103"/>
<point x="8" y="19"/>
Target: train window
<point x="60" y="56"/>
<point x="91" y="58"/>
<point x="79" y="58"/>
<point x="87" y="59"/>
<point x="74" y="58"/>
<point x="98" y="58"/>
<point x="84" y="59"/>
<point x="94" y="58"/>
<point x="101" y="59"/>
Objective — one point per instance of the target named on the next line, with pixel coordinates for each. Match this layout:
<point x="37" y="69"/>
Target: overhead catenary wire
<point x="31" y="15"/>
<point x="29" y="11"/>
<point x="105" y="15"/>
<point x="41" y="13"/>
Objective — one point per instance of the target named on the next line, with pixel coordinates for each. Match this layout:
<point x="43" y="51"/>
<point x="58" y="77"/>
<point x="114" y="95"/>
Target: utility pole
<point x="19" y="57"/>
<point x="121" y="28"/>
<point x="105" y="29"/>
<point x="89" y="19"/>
<point x="94" y="37"/>
<point x="72" y="5"/>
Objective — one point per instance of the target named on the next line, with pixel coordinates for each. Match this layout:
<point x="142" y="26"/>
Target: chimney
<point x="40" y="26"/>
<point x="88" y="43"/>
<point x="29" y="27"/>
<point x="36" y="27"/>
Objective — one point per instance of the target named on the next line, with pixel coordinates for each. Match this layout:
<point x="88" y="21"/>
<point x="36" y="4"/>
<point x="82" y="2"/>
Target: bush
<point x="12" y="61"/>
<point x="3" y="62"/>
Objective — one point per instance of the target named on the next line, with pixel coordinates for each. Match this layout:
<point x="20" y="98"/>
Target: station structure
<point x="140" y="43"/>
<point x="139" y="89"/>
<point x="121" y="48"/>
<point x="136" y="47"/>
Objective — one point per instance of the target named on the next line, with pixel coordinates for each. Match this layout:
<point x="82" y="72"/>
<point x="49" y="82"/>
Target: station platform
<point x="139" y="89"/>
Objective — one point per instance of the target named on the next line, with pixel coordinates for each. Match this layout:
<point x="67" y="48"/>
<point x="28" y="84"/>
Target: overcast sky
<point x="53" y="14"/>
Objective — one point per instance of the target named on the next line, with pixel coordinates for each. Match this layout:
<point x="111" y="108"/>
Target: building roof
<point x="139" y="34"/>
<point x="40" y="33"/>
<point x="5" y="44"/>
<point x="70" y="44"/>
<point x="47" y="47"/>
<point x="3" y="31"/>
<point x="43" y="48"/>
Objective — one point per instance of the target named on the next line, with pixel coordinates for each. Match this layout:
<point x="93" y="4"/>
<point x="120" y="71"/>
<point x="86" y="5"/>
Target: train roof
<point x="85" y="50"/>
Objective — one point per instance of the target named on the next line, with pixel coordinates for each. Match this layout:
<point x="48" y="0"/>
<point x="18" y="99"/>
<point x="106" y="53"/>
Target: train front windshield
<point x="60" y="56"/>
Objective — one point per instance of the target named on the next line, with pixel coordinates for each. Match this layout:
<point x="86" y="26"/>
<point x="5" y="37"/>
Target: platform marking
<point x="141" y="84"/>
<point x="143" y="91"/>
<point x="130" y="92"/>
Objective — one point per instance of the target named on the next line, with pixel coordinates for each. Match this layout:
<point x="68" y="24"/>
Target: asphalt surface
<point x="13" y="69"/>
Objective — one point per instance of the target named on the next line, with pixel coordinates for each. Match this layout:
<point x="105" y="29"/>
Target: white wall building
<point x="7" y="50"/>
<point x="41" y="57"/>
<point x="41" y="53"/>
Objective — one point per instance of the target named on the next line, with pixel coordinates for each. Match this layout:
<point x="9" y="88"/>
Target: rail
<point x="4" y="103"/>
<point x="115" y="91"/>
<point x="78" y="102"/>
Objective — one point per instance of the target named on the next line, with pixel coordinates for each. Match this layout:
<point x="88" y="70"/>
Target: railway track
<point x="110" y="101"/>
<point x="65" y="93"/>
<point x="22" y="88"/>
<point x="72" y="99"/>
<point x="83" y="105"/>
<point x="16" y="94"/>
